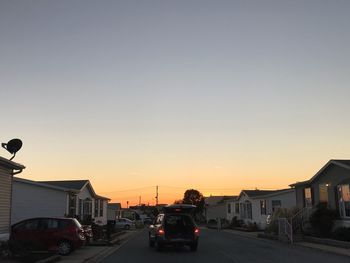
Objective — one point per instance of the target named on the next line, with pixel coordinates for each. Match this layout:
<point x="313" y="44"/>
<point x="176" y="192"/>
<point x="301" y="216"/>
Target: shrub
<point x="342" y="233"/>
<point x="322" y="220"/>
<point x="235" y="222"/>
<point x="272" y="227"/>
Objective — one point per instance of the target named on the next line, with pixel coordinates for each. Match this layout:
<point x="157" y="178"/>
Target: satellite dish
<point x="13" y="146"/>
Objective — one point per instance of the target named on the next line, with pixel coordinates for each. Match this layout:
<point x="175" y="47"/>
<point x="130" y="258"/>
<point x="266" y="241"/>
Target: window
<point x="87" y="206"/>
<point x="323" y="193"/>
<point x="246" y="210"/>
<point x="96" y="208"/>
<point x="308" y="197"/>
<point x="263" y="207"/>
<point x="72" y="205"/>
<point x="101" y="207"/>
<point x="31" y="225"/>
<point x="237" y="208"/>
<point x="80" y="207"/>
<point x="229" y="208"/>
<point x="276" y="204"/>
<point x="344" y="200"/>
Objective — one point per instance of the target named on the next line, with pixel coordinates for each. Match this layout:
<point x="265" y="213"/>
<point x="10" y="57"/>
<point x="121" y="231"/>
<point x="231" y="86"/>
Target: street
<point x="222" y="247"/>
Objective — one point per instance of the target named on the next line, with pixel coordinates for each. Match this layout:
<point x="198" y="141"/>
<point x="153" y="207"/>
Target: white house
<point x="253" y="206"/>
<point x="217" y="207"/>
<point x="7" y="170"/>
<point x="74" y="198"/>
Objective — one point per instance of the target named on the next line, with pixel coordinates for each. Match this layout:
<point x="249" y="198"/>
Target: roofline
<point x="16" y="179"/>
<point x="313" y="178"/>
<point x="10" y="164"/>
<point x="276" y="192"/>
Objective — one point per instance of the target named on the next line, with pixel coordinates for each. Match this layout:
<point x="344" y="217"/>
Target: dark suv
<point x="60" y="235"/>
<point x="175" y="226"/>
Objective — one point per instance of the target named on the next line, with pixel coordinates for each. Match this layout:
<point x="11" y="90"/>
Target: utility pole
<point x="127" y="204"/>
<point x="156" y="195"/>
<point x="140" y="200"/>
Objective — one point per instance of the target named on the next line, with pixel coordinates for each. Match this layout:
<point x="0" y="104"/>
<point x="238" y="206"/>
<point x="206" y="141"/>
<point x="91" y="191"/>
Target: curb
<point x="51" y="259"/>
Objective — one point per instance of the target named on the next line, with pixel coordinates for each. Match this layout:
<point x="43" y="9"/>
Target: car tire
<point x="64" y="247"/>
<point x="127" y="227"/>
<point x="150" y="241"/>
<point x="158" y="246"/>
<point x="194" y="246"/>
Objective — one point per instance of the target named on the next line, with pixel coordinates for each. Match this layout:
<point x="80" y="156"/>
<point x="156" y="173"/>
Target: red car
<point x="60" y="235"/>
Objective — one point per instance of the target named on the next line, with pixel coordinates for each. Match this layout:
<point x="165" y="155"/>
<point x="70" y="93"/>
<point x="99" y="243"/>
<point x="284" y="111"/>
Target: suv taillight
<point x="196" y="231"/>
<point x="161" y="232"/>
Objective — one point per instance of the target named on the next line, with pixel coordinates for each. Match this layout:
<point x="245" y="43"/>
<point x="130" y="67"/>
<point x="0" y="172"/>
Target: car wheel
<point x="158" y="245"/>
<point x="127" y="227"/>
<point x="64" y="247"/>
<point x="150" y="241"/>
<point x="194" y="246"/>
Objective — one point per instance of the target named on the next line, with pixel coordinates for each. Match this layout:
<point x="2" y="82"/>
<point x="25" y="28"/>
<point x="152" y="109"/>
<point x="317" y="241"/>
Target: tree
<point x="194" y="197"/>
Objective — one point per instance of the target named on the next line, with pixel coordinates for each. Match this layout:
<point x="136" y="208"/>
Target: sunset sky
<point x="212" y="95"/>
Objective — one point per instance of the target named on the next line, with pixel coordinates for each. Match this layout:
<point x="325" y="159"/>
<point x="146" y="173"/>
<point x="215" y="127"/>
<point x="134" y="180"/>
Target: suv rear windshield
<point x="173" y="220"/>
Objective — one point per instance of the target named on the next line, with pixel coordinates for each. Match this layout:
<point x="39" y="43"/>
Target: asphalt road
<point x="222" y="247"/>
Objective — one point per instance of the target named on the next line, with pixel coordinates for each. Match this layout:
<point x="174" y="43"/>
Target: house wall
<point x="36" y="201"/>
<point x="288" y="200"/>
<point x="85" y="193"/>
<point x="216" y="211"/>
<point x="103" y="219"/>
<point x="299" y="196"/>
<point x="233" y="214"/>
<point x="332" y="175"/>
<point x="5" y="203"/>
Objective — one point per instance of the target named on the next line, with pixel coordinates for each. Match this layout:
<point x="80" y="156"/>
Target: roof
<point x="213" y="200"/>
<point x="10" y="164"/>
<point x="69" y="184"/>
<point x="21" y="180"/>
<point x="264" y="193"/>
<point x="341" y="163"/>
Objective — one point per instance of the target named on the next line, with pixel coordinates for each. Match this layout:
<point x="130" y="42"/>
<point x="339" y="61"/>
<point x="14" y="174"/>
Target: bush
<point x="272" y="227"/>
<point x="322" y="220"/>
<point x="342" y="233"/>
<point x="235" y="222"/>
<point x="251" y="227"/>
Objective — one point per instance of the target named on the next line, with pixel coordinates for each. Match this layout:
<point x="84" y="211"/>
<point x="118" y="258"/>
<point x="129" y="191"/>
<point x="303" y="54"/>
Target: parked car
<point x="175" y="226"/>
<point x="124" y="223"/>
<point x="60" y="235"/>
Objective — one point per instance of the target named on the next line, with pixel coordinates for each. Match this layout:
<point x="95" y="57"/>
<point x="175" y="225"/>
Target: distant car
<point x="124" y="223"/>
<point x="60" y="235"/>
<point x="175" y="226"/>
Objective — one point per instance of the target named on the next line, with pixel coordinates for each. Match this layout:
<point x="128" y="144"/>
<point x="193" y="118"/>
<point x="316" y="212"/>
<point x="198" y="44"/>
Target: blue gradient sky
<point x="208" y="94"/>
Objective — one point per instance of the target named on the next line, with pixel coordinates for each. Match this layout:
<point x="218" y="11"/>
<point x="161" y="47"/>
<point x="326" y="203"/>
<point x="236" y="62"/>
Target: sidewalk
<point x="94" y="254"/>
<point x="325" y="248"/>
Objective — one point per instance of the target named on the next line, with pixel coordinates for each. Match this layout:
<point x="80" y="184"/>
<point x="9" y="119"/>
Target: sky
<point x="213" y="95"/>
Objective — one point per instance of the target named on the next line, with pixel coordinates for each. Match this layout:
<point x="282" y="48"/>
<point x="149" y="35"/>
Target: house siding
<point x="288" y="200"/>
<point x="5" y="203"/>
<point x="36" y="201"/>
<point x="216" y="211"/>
<point x="332" y="175"/>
